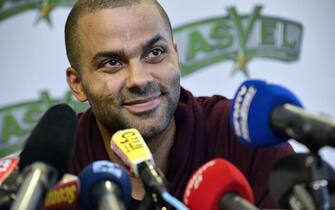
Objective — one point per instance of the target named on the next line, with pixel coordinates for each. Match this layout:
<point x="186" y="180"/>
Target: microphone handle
<point x="40" y="177"/>
<point x="108" y="196"/>
<point x="152" y="178"/>
<point x="312" y="130"/>
<point x="300" y="199"/>
<point x="232" y="201"/>
<point x="320" y="193"/>
<point x="313" y="199"/>
<point x="154" y="183"/>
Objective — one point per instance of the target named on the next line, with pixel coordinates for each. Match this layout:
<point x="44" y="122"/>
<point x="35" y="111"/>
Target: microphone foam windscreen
<point x="250" y="112"/>
<point x="211" y="181"/>
<point x="8" y="166"/>
<point x="102" y="171"/>
<point x="64" y="195"/>
<point x="52" y="139"/>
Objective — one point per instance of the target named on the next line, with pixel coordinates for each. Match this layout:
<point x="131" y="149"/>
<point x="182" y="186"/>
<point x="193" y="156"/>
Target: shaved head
<point x="82" y="7"/>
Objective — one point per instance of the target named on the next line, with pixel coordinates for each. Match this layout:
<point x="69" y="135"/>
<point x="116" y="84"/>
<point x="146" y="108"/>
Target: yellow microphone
<point x="130" y="146"/>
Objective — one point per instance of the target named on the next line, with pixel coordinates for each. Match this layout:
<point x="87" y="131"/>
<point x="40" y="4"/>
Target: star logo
<point x="238" y="38"/>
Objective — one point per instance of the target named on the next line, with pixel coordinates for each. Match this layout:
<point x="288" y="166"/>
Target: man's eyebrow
<point x="119" y="54"/>
<point x="153" y="41"/>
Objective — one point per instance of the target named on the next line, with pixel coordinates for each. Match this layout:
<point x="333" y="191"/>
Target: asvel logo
<point x="238" y="38"/>
<point x="16" y="121"/>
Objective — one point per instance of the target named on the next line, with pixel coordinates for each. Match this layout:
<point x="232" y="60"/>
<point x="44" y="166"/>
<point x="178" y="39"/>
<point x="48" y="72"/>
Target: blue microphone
<point x="264" y="114"/>
<point x="104" y="185"/>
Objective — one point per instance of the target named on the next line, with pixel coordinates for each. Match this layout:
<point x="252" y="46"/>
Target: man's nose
<point x="138" y="75"/>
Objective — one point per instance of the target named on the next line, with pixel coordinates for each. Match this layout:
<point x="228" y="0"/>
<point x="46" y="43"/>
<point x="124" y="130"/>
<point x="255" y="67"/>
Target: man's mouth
<point x="138" y="106"/>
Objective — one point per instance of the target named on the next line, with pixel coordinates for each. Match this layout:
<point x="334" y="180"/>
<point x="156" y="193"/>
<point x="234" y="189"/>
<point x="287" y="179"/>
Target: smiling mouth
<point x="143" y="105"/>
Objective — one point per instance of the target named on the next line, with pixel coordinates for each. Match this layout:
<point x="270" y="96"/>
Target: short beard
<point x="113" y="120"/>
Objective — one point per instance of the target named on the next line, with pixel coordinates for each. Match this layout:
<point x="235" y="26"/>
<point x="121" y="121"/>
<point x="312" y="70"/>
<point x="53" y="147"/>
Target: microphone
<point x="64" y="195"/>
<point x="8" y="181"/>
<point x="301" y="181"/>
<point x="104" y="186"/>
<point x="129" y="145"/>
<point x="45" y="156"/>
<point x="216" y="185"/>
<point x="265" y="114"/>
<point x="8" y="165"/>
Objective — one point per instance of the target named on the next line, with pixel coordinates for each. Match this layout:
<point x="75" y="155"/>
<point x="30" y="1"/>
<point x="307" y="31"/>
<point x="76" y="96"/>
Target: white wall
<point x="32" y="57"/>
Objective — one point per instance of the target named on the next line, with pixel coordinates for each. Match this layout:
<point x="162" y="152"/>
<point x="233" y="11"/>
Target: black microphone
<point x="300" y="181"/>
<point x="45" y="156"/>
<point x="313" y="130"/>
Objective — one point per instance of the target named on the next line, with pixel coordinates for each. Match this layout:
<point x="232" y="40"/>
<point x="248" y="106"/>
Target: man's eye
<point x="155" y="55"/>
<point x="156" y="52"/>
<point x="112" y="63"/>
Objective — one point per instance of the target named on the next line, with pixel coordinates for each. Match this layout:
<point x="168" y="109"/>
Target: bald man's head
<point x="82" y="7"/>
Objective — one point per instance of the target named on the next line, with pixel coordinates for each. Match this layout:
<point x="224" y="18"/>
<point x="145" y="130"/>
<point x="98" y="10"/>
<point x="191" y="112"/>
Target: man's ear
<point x="74" y="81"/>
<point x="175" y="47"/>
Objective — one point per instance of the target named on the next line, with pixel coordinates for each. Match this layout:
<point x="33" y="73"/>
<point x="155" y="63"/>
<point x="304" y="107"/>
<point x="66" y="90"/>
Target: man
<point x="124" y="62"/>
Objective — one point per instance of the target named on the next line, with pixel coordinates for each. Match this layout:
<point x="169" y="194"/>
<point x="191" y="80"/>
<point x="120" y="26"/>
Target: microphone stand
<point x="314" y="194"/>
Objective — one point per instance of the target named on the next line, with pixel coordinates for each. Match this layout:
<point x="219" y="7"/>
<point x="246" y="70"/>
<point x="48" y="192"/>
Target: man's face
<point x="129" y="68"/>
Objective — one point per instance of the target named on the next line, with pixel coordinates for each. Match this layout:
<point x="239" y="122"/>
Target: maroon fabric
<point x="203" y="133"/>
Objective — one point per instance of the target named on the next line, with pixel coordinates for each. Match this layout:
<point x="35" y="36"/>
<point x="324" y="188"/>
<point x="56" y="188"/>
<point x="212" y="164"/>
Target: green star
<point x="45" y="10"/>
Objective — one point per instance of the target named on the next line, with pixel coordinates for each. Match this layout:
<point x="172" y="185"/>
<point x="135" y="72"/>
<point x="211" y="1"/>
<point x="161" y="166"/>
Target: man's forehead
<point x="122" y="13"/>
<point x="126" y="16"/>
<point x="123" y="22"/>
<point x="111" y="29"/>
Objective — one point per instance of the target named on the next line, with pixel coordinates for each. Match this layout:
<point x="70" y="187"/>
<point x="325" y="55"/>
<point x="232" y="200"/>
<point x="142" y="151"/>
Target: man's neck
<point x="160" y="146"/>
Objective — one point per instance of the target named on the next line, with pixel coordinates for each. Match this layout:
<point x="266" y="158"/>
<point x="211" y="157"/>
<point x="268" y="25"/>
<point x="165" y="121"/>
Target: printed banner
<point x="237" y="38"/>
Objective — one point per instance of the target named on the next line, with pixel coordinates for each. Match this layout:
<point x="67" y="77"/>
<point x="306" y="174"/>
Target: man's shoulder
<point x="215" y="107"/>
<point x="188" y="97"/>
<point x="208" y="109"/>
